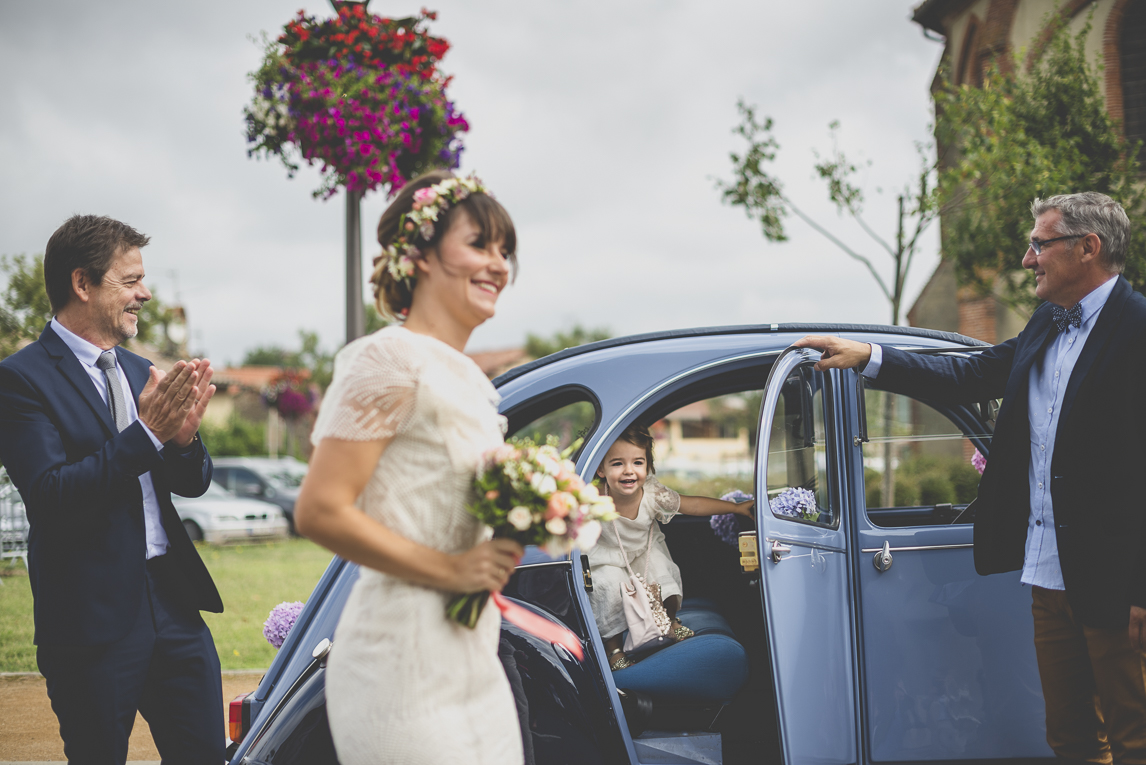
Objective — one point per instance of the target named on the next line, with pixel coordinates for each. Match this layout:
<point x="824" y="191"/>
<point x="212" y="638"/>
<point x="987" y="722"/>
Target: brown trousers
<point x="1094" y="685"/>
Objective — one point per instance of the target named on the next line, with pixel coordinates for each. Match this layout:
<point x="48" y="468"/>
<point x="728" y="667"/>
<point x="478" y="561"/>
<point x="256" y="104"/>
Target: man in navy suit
<point x="96" y="439"/>
<point x="1063" y="497"/>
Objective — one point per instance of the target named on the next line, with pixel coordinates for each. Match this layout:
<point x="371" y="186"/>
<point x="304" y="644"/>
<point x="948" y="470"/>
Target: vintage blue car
<point x="846" y="627"/>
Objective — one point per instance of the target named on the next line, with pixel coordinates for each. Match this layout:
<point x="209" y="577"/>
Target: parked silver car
<point x="270" y="479"/>
<point x="219" y="516"/>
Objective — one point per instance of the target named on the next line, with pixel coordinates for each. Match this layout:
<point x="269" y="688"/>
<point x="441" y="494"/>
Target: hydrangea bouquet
<point x="726" y="526"/>
<point x="796" y="502"/>
<point x="278" y="625"/>
<point x="532" y="494"/>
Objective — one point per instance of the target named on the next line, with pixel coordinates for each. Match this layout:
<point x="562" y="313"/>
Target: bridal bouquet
<point x="532" y="494"/>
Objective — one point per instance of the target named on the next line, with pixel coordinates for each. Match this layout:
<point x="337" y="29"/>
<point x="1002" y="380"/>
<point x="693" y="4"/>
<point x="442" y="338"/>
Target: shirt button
<point x="1038" y="523"/>
<point x="1043" y="447"/>
<point x="1056" y="373"/>
<point x="1050" y="409"/>
<point x="1040" y="484"/>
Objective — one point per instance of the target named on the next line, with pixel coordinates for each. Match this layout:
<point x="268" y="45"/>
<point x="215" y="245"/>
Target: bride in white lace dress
<point x="397" y="442"/>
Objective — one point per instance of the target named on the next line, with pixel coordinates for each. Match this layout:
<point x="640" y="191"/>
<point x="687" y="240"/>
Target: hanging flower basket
<point x="358" y="95"/>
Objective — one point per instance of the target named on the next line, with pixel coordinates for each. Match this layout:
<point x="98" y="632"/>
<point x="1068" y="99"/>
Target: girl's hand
<point x="485" y="567"/>
<point x="745" y="508"/>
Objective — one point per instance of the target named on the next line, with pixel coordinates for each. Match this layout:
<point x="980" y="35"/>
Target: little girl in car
<point x="626" y="475"/>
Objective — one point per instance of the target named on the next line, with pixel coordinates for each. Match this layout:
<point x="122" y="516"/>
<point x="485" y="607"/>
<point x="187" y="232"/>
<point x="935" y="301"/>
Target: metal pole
<point x="355" y="317"/>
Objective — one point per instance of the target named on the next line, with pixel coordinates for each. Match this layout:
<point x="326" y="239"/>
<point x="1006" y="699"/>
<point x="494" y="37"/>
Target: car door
<point x="804" y="562"/>
<point x="948" y="667"/>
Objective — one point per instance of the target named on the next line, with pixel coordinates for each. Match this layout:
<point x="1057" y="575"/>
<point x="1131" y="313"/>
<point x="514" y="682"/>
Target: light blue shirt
<point x="87" y="355"/>
<point x="1047" y="387"/>
<point x="1048" y="383"/>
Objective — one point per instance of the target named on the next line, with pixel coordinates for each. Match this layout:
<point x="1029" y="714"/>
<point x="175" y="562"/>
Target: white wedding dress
<point x="404" y="684"/>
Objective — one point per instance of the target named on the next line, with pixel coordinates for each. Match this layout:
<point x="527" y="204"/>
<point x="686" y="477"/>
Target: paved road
<point x="29" y="732"/>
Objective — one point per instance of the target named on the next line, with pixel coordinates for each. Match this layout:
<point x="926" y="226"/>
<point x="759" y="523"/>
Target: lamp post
<point x="355" y="315"/>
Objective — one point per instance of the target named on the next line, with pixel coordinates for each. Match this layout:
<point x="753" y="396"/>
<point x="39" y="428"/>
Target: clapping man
<point x="1063" y="497"/>
<point x="96" y="439"/>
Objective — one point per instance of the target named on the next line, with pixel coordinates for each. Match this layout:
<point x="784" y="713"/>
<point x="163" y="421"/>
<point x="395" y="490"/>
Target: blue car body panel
<point x="848" y="644"/>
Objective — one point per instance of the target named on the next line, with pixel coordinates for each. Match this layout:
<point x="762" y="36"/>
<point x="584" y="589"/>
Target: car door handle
<point x="882" y="559"/>
<point x="779" y="551"/>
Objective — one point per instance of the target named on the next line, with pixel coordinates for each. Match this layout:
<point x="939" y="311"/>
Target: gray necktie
<point x="106" y="362"/>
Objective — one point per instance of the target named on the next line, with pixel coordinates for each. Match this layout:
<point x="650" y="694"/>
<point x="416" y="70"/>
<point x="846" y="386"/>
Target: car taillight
<point x="238" y="718"/>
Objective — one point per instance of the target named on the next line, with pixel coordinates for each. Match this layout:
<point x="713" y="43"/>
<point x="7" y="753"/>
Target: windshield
<point x="215" y="491"/>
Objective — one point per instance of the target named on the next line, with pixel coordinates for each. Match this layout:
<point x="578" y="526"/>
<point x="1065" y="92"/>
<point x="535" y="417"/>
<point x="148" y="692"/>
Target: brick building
<point x="974" y="32"/>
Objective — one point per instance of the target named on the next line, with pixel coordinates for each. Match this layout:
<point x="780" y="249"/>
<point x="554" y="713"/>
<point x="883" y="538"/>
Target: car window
<point x="569" y="414"/>
<point x="920" y="464"/>
<point x="706" y="447"/>
<point x="285" y="479"/>
<point x="798" y="486"/>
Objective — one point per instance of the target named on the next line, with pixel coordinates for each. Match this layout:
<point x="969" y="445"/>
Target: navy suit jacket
<point x="79" y="479"/>
<point x="1098" y="484"/>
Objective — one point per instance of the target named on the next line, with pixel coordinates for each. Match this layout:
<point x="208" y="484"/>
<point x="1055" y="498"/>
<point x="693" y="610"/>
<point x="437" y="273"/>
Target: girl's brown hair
<point x="394" y="296"/>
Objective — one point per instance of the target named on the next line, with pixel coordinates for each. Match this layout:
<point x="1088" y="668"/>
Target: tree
<point x="1022" y="135"/>
<point x="762" y="197"/>
<point x="537" y="346"/>
<point x="309" y="356"/>
<point x="25" y="310"/>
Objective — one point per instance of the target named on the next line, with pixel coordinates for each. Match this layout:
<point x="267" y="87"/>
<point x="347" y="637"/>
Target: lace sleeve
<point x="665" y="501"/>
<point x="373" y="393"/>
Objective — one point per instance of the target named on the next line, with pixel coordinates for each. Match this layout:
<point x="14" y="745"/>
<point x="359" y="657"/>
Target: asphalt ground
<point x="30" y="733"/>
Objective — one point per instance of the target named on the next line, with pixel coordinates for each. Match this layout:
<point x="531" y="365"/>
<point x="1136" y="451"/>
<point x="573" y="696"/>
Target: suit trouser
<point x="166" y="667"/>
<point x="1094" y="684"/>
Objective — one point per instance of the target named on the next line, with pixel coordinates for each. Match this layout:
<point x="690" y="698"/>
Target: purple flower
<point x="726" y="526"/>
<point x="979" y="462"/>
<point x="279" y="623"/>
<point x="796" y="503"/>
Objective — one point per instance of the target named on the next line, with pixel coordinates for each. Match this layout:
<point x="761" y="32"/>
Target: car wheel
<point x="193" y="531"/>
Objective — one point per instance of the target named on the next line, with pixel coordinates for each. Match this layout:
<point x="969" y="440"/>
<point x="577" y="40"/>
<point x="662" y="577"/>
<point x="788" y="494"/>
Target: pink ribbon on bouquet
<point x="538" y="625"/>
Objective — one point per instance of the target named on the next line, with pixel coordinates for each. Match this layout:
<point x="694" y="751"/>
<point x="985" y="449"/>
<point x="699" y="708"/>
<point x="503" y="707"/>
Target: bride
<point x="397" y="442"/>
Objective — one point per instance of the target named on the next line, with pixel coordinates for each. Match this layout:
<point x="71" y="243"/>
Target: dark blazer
<point x="1099" y="465"/>
<point x="79" y="480"/>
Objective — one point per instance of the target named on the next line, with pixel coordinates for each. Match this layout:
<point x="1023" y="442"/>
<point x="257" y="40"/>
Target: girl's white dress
<point x="607" y="564"/>
<point x="404" y="684"/>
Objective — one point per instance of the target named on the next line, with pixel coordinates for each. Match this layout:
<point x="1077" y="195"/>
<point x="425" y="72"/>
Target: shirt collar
<point x="85" y="351"/>
<point x="1093" y="303"/>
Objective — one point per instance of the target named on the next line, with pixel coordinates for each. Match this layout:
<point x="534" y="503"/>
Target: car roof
<point x="737" y="329"/>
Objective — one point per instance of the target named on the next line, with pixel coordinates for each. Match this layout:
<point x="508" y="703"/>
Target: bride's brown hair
<point x="392" y="297"/>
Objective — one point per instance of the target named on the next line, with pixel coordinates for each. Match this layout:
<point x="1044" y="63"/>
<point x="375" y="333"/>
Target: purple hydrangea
<point x="726" y="526"/>
<point x="279" y="623"/>
<point x="796" y="503"/>
<point x="979" y="462"/>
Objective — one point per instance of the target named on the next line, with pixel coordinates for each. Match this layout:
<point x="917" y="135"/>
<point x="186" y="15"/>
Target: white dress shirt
<point x="87" y="355"/>
<point x="1047" y="388"/>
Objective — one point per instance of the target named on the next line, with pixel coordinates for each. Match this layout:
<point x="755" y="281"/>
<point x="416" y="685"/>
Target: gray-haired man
<point x="1063" y="497"/>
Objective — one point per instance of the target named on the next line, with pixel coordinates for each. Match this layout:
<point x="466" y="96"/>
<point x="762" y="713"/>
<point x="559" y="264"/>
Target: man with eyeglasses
<point x="1063" y="496"/>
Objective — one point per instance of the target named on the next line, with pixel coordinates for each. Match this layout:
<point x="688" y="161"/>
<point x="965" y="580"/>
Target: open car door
<point x="804" y="562"/>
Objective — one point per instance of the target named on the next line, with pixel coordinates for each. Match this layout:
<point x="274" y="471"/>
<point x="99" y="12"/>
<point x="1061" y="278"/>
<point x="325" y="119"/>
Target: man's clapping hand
<point x="172" y="403"/>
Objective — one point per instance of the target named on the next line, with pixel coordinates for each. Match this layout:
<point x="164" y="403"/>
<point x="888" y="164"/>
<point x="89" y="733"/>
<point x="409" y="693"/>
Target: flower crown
<point x="429" y="203"/>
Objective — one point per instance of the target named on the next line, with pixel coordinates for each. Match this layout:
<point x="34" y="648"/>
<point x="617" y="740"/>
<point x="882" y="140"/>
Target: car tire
<point x="193" y="531"/>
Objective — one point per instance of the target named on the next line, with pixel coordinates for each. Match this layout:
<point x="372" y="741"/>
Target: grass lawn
<point x="251" y="578"/>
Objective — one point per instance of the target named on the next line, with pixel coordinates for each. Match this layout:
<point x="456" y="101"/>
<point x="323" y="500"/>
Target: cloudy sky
<point x="600" y="126"/>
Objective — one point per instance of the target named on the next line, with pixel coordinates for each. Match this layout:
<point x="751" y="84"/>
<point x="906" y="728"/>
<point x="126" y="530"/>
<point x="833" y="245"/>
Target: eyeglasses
<point x="1037" y="245"/>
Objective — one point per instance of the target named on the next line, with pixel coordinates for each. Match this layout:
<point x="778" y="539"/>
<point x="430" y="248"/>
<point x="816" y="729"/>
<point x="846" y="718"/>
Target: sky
<point x="602" y="128"/>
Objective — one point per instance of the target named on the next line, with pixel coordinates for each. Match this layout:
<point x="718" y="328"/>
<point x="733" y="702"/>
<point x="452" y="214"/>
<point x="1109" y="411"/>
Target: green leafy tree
<point x="236" y="437"/>
<point x="1022" y="135"/>
<point x="537" y="346"/>
<point x="309" y="355"/>
<point x="24" y="306"/>
<point x="763" y="198"/>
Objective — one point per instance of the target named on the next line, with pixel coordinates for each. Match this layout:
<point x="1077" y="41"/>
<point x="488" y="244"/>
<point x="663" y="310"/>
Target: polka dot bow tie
<point x="1064" y="317"/>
